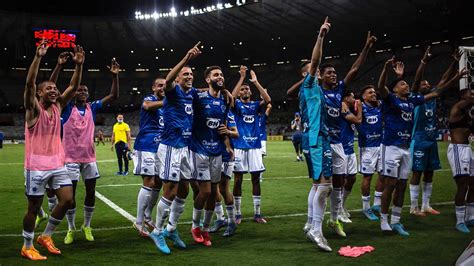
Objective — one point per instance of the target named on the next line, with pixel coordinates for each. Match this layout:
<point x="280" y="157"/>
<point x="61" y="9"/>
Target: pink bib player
<point x="78" y="137"/>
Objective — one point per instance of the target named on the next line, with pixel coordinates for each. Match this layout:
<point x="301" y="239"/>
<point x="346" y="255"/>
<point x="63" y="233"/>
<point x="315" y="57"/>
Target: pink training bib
<point x="78" y="137"/>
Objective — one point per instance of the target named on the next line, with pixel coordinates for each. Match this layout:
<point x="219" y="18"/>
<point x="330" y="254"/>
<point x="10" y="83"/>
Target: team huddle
<point x="200" y="138"/>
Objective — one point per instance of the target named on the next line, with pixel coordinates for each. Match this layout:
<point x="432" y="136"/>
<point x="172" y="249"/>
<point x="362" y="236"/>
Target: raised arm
<point x="31" y="103"/>
<point x="350" y="117"/>
<point x="68" y="94"/>
<point x="261" y="90"/>
<point x="151" y="106"/>
<point x="62" y="59"/>
<point x="382" y="84"/>
<point x="318" y="48"/>
<point x="452" y="69"/>
<point x="369" y="42"/>
<point x="114" y="89"/>
<point x="295" y="88"/>
<point x="243" y="73"/>
<point x="449" y="84"/>
<point x="191" y="54"/>
<point x="269" y="109"/>
<point x="421" y="70"/>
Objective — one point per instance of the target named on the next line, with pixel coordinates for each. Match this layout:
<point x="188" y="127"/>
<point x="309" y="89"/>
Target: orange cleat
<point x="430" y="210"/>
<point x="207" y="239"/>
<point x="197" y="234"/>
<point x="32" y="254"/>
<point x="48" y="243"/>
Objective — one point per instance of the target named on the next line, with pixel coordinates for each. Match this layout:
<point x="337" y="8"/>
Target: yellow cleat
<point x="69" y="237"/>
<point x="31" y="253"/>
<point x="48" y="243"/>
<point x="87" y="233"/>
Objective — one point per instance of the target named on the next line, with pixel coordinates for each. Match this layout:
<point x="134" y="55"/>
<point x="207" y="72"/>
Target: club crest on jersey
<point x="334" y="112"/>
<point x="213" y="122"/>
<point x="373" y="119"/>
<point x="429" y="113"/>
<point x="249" y="119"/>
<point x="188" y="108"/>
<point x="406" y="116"/>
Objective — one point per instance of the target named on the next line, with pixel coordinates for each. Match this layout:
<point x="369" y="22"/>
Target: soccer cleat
<point x="40" y="219"/>
<point x="229" y="230"/>
<point x="259" y="219"/>
<point x="174" y="236"/>
<point x="430" y="210"/>
<point x="119" y="173"/>
<point x="376" y="208"/>
<point x="337" y="227"/>
<point x="206" y="239"/>
<point x="197" y="234"/>
<point x="69" y="238"/>
<point x="238" y="218"/>
<point x="142" y="230"/>
<point x="415" y="211"/>
<point x="150" y="224"/>
<point x="462" y="228"/>
<point x="87" y="233"/>
<point x="31" y="253"/>
<point x="301" y="158"/>
<point x="343" y="216"/>
<point x="470" y="222"/>
<point x="306" y="228"/>
<point x="125" y="173"/>
<point x="160" y="242"/>
<point x="217" y="225"/>
<point x="48" y="243"/>
<point x="398" y="227"/>
<point x="321" y="242"/>
<point x="370" y="215"/>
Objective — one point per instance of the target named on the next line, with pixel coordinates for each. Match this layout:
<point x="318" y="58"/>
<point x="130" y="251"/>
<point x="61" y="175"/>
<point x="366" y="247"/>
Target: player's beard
<point x="216" y="86"/>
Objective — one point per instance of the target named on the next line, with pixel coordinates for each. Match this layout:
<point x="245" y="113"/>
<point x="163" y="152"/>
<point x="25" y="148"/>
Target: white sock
<point x="51" y="226"/>
<point x="311" y="194"/>
<point x="469" y="211"/>
<point x="378" y="198"/>
<point x="460" y="214"/>
<point x="365" y="202"/>
<point x="142" y="202"/>
<point x="197" y="213"/>
<point x="88" y="212"/>
<point x="162" y="212"/>
<point x="28" y="238"/>
<point x="230" y="213"/>
<point x="414" y="193"/>
<point x="152" y="203"/>
<point x="396" y="214"/>
<point x="52" y="203"/>
<point x="256" y="205"/>
<point x="319" y="206"/>
<point x="237" y="202"/>
<point x="384" y="222"/>
<point x="71" y="219"/>
<point x="207" y="219"/>
<point x="335" y="202"/>
<point x="219" y="210"/>
<point x="427" y="189"/>
<point x="177" y="208"/>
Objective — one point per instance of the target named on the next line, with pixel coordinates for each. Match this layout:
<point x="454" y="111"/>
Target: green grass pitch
<point x="432" y="240"/>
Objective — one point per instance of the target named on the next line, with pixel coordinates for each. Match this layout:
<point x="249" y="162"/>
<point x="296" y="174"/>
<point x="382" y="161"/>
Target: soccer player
<point x="209" y="135"/>
<point x="121" y="140"/>
<point x="100" y="137"/>
<point x="424" y="147"/>
<point x="44" y="154"/>
<point x="461" y="159"/>
<point x="398" y="111"/>
<point x="248" y="158"/>
<point x="145" y="156"/>
<point x="351" y="111"/>
<point x="296" y="138"/>
<point x="78" y="119"/>
<point x="173" y="153"/>
<point x="333" y="92"/>
<point x="370" y="138"/>
<point x="315" y="141"/>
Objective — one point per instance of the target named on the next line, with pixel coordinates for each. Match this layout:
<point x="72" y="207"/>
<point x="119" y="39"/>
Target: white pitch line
<point x="115" y="207"/>
<point x="190" y="222"/>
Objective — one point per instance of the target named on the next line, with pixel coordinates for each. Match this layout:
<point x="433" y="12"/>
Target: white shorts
<point x="36" y="181"/>
<point x="395" y="162"/>
<point x="206" y="168"/>
<point x="86" y="170"/>
<point x="146" y="163"/>
<point x="369" y="160"/>
<point x="338" y="159"/>
<point x="228" y="169"/>
<point x="351" y="164"/>
<point x="461" y="160"/>
<point x="174" y="163"/>
<point x="248" y="161"/>
<point x="263" y="149"/>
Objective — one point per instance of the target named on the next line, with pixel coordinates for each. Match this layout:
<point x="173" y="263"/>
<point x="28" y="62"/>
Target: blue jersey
<point x="370" y="129"/>
<point x="312" y="110"/>
<point x="151" y="126"/>
<point x="66" y="113"/>
<point x="398" y="117"/>
<point x="262" y="124"/>
<point x="230" y="123"/>
<point x="246" y="118"/>
<point x="347" y="135"/>
<point x="333" y="98"/>
<point x="425" y="122"/>
<point x="210" y="114"/>
<point x="178" y="117"/>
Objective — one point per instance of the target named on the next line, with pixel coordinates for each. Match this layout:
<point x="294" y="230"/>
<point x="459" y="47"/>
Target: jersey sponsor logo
<point x="161" y="121"/>
<point x="149" y="161"/>
<point x="418" y="154"/>
<point x="403" y="134"/>
<point x="216" y="103"/>
<point x="406" y="116"/>
<point x="334" y="112"/>
<point x="249" y="119"/>
<point x="429" y="113"/>
<point x="188" y="108"/>
<point x="391" y="163"/>
<point x="249" y="139"/>
<point x="186" y="133"/>
<point x="373" y="136"/>
<point x="210" y="143"/>
<point x="37" y="179"/>
<point x="372" y="119"/>
<point x="213" y="122"/>
<point x="430" y="129"/>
